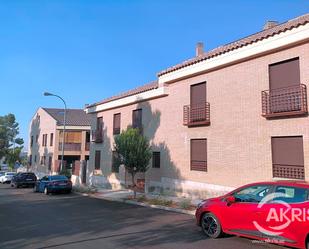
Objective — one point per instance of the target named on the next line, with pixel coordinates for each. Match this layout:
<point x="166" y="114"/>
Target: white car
<point x="7" y="177"/>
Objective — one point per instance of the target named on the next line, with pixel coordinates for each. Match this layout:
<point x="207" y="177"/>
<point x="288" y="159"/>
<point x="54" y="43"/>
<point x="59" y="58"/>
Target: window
<point x="288" y="157"/>
<point x="97" y="160"/>
<point x="156" y="159"/>
<point x="116" y="125"/>
<point x="137" y="119"/>
<point x="284" y="84"/>
<point x="30" y="160"/>
<point x="31" y="141"/>
<point x="199" y="154"/>
<point x="37" y="138"/>
<point x="252" y="194"/>
<point x="99" y="123"/>
<point x="51" y="139"/>
<point x="35" y="158"/>
<point x="115" y="165"/>
<point x="43" y="159"/>
<point x="44" y="140"/>
<point x="284" y="74"/>
<point x="50" y="160"/>
<point x="291" y="194"/>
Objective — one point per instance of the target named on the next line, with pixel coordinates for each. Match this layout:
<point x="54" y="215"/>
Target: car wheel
<point x="16" y="185"/>
<point x="46" y="191"/>
<point x="211" y="225"/>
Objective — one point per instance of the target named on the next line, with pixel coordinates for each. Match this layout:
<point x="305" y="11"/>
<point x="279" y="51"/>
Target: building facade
<point x="233" y="115"/>
<point x="46" y="134"/>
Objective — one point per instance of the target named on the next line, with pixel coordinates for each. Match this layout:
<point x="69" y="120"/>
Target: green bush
<point x="66" y="172"/>
<point x="185" y="204"/>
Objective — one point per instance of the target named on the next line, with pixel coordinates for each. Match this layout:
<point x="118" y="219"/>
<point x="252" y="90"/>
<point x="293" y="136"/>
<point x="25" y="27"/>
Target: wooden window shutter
<point x="284" y="74"/>
<point x="199" y="154"/>
<point x="117" y="120"/>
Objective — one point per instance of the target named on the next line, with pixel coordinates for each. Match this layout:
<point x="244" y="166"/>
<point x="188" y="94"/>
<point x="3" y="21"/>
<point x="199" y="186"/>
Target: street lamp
<point x="64" y="123"/>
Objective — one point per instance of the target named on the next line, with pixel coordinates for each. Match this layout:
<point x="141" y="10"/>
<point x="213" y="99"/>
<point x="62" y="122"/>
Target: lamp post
<point x="64" y="123"/>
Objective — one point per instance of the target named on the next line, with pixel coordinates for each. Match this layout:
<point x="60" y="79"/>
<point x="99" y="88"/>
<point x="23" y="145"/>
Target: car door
<point x="239" y="216"/>
<point x="43" y="182"/>
<point x="284" y="217"/>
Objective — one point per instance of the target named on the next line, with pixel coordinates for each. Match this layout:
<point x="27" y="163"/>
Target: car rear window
<point x="291" y="194"/>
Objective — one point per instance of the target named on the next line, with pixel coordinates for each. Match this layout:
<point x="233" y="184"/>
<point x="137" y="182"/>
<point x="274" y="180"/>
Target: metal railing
<point x="196" y="115"/>
<point x="71" y="146"/>
<point x="289" y="171"/>
<point x="285" y="101"/>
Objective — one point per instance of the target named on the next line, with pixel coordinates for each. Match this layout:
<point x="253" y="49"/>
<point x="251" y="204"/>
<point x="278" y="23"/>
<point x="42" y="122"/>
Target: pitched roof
<point x="74" y="117"/>
<point x="147" y="87"/>
<point x="291" y="24"/>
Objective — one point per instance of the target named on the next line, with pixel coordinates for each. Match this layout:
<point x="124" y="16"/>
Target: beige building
<point x="46" y="133"/>
<point x="233" y="115"/>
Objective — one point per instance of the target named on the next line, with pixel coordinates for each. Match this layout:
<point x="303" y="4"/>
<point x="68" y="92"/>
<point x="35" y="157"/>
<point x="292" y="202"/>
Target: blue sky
<point x="88" y="50"/>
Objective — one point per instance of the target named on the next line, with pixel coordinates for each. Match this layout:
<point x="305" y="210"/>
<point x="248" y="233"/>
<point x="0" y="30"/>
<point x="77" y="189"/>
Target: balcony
<point x="287" y="101"/>
<point x="197" y="115"/>
<point x="71" y="146"/>
<point x="97" y="136"/>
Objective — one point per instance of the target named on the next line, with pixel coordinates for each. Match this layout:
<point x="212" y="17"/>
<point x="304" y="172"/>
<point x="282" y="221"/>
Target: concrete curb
<point x="170" y="209"/>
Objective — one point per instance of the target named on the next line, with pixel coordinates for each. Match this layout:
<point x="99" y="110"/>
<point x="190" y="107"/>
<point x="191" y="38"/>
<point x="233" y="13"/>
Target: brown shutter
<point x="288" y="157"/>
<point x="99" y="123"/>
<point x="284" y="74"/>
<point x="116" y="128"/>
<point x="198" y="94"/>
<point x="51" y="139"/>
<point x="199" y="154"/>
<point x="97" y="159"/>
<point x="137" y="118"/>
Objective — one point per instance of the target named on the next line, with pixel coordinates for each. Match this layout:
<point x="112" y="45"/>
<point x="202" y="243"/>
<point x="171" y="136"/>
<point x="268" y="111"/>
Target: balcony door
<point x="284" y="85"/>
<point x="198" y="102"/>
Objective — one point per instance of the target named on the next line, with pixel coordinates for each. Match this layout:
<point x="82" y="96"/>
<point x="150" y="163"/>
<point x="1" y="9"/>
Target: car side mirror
<point x="230" y="200"/>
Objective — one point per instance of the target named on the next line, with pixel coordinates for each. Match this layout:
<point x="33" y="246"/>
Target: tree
<point x="10" y="144"/>
<point x="133" y="151"/>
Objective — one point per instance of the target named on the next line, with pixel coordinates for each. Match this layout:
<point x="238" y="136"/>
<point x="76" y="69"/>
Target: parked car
<point x="53" y="184"/>
<point x="255" y="211"/>
<point x="26" y="179"/>
<point x="7" y="177"/>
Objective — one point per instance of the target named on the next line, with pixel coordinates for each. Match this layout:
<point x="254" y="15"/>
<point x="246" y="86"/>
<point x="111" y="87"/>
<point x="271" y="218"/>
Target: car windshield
<point x="10" y="174"/>
<point x="58" y="178"/>
<point x="2" y="173"/>
<point x="252" y="193"/>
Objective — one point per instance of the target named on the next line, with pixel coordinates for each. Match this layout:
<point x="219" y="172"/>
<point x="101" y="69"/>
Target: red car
<point x="276" y="212"/>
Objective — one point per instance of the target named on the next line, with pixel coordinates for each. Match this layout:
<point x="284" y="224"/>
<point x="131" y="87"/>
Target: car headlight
<point x="201" y="203"/>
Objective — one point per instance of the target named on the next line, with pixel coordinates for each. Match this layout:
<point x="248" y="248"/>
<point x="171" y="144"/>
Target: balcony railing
<point x="196" y="115"/>
<point x="287" y="101"/>
<point x="71" y="146"/>
<point x="97" y="136"/>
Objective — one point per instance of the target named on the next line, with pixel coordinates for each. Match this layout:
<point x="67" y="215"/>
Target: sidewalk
<point x="168" y="203"/>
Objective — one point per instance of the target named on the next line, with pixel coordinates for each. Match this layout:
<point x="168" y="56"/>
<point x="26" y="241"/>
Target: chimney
<point x="199" y="50"/>
<point x="270" y="24"/>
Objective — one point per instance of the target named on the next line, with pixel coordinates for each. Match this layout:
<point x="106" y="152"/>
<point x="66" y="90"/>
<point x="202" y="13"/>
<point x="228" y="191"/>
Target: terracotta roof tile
<point x="147" y="87"/>
<point x="294" y="23"/>
<point x="74" y="117"/>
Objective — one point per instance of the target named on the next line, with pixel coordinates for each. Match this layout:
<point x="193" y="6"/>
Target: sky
<point x="87" y="50"/>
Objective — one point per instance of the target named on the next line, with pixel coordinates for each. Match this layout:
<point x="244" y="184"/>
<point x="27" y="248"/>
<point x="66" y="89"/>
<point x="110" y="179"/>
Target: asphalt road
<point x="33" y="220"/>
